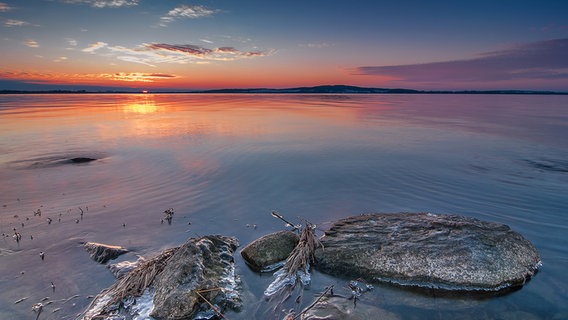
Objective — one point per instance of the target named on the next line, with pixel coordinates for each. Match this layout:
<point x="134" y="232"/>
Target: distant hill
<point x="316" y="89"/>
<point x="344" y="89"/>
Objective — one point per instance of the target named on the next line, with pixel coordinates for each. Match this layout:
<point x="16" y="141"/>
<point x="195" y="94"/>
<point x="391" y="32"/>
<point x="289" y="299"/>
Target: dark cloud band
<point x="538" y="60"/>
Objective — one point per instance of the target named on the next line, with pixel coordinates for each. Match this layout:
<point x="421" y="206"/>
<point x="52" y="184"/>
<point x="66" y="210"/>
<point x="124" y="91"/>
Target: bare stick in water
<point x="288" y="224"/>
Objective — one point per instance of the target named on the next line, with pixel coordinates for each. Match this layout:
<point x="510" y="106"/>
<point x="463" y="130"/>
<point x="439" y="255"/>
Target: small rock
<point x="102" y="253"/>
<point x="269" y="249"/>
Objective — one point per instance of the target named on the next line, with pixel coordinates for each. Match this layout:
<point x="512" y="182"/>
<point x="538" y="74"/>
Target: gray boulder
<point x="205" y="264"/>
<point x="269" y="249"/>
<point x="102" y="253"/>
<point x="446" y="252"/>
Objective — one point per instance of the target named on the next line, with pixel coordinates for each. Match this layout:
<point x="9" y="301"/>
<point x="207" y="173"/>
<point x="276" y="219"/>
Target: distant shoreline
<point x="325" y="89"/>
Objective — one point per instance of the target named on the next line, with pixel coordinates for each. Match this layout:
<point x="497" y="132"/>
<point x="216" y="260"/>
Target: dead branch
<point x="330" y="288"/>
<point x="288" y="224"/>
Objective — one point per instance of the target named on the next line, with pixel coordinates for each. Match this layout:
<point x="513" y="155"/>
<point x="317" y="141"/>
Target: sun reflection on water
<point x="142" y="104"/>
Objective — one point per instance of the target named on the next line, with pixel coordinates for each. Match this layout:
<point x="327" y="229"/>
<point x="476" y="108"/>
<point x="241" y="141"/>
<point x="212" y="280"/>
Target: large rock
<point x="102" y="253"/>
<point x="179" y="283"/>
<point x="269" y="249"/>
<point x="428" y="250"/>
<point x="199" y="265"/>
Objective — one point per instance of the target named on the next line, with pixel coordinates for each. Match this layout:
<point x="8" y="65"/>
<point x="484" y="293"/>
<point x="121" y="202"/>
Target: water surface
<point x="223" y="162"/>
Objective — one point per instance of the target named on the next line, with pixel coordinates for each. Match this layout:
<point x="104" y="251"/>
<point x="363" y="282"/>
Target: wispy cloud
<point x="152" y="54"/>
<point x="198" y="52"/>
<point x="135" y="59"/>
<point x="104" y="3"/>
<point x="15" y="23"/>
<point x="140" y="77"/>
<point x="187" y="49"/>
<point x="4" y="7"/>
<point x="72" y="43"/>
<point x="87" y="78"/>
<point x="60" y="59"/>
<point x="31" y="43"/>
<point x="186" y="11"/>
<point x="539" y="60"/>
<point x="95" y="46"/>
<point x="317" y="45"/>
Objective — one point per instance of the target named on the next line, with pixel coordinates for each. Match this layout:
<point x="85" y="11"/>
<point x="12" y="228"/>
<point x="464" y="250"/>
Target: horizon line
<point x="326" y="88"/>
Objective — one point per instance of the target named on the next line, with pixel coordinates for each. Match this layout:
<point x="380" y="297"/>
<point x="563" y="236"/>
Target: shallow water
<point x="223" y="162"/>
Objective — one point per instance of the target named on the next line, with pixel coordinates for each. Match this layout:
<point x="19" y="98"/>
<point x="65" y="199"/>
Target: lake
<point x="224" y="162"/>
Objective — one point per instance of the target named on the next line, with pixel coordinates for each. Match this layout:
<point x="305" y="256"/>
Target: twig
<point x="210" y="304"/>
<point x="314" y="303"/>
<point x="277" y="215"/>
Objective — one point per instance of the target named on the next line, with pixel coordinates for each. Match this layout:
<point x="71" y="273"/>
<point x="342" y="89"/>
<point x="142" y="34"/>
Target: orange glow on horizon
<point x="202" y="78"/>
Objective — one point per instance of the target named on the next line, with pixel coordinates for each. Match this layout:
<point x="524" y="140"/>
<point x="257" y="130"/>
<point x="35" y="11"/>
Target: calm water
<point x="223" y="162"/>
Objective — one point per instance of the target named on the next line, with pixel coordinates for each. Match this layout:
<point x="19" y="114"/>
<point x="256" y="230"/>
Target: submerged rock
<point x="447" y="252"/>
<point x="269" y="249"/>
<point x="102" y="253"/>
<point x="340" y="308"/>
<point x="81" y="160"/>
<point x="180" y="283"/>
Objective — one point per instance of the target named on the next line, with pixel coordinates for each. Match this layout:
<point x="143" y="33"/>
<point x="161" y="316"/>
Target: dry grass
<point x="303" y="253"/>
<point x="136" y="281"/>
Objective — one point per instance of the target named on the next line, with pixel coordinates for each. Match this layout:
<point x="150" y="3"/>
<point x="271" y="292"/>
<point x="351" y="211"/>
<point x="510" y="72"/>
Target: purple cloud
<point x="539" y="60"/>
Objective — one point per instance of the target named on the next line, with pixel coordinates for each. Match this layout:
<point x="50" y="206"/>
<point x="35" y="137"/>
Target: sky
<point x="211" y="44"/>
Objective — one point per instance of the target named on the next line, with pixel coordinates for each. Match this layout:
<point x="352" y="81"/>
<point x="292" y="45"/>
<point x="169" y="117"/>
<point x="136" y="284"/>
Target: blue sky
<point x="229" y="43"/>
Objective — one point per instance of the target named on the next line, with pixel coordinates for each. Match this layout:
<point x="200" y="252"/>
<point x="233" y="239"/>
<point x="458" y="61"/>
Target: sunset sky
<point x="206" y="44"/>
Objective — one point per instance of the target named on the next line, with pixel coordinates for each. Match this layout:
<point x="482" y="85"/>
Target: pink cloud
<point x="545" y="60"/>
